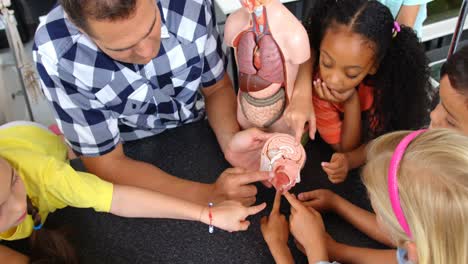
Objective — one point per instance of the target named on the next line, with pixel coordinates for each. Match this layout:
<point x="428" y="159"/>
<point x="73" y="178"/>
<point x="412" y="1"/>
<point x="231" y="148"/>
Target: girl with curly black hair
<point x="371" y="77"/>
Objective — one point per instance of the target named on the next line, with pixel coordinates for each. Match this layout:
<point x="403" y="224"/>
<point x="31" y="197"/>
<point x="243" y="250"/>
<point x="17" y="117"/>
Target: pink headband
<point x="396" y="28"/>
<point x="392" y="179"/>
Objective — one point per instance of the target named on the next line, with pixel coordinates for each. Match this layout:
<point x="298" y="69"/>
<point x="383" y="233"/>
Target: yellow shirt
<point x="39" y="157"/>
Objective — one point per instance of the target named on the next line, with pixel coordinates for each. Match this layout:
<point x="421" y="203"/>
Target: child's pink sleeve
<point x="328" y="120"/>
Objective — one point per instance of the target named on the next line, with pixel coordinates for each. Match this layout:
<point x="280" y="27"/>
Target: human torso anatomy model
<point x="270" y="44"/>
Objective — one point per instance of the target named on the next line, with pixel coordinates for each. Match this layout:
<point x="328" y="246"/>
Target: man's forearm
<point x="221" y="106"/>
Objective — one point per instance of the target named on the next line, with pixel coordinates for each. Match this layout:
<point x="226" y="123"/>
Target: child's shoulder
<point x="31" y="137"/>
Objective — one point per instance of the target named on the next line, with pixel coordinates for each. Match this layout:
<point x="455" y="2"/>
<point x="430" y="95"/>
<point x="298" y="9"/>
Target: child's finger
<point x="236" y="170"/>
<point x="312" y="203"/>
<point x="299" y="129"/>
<point x="308" y="195"/>
<point x="312" y="210"/>
<point x="256" y="209"/>
<point x="244" y="225"/>
<point x="329" y="172"/>
<point x="312" y="127"/>
<point x="327" y="92"/>
<point x="318" y="88"/>
<point x="292" y="200"/>
<point x="247" y="201"/>
<point x="335" y="180"/>
<point x="336" y="157"/>
<point x="331" y="165"/>
<point x="293" y="212"/>
<point x="337" y="175"/>
<point x="262" y="135"/>
<point x="276" y="203"/>
<point x="267" y="184"/>
<point x="322" y="91"/>
<point x="252" y="177"/>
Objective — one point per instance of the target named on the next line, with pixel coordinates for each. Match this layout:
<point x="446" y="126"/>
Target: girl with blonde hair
<point x="421" y="200"/>
<point x="418" y="187"/>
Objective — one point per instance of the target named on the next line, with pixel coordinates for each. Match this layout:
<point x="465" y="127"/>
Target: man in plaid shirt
<point x="123" y="70"/>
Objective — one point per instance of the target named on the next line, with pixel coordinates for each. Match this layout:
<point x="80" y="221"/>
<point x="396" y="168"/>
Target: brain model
<point x="282" y="155"/>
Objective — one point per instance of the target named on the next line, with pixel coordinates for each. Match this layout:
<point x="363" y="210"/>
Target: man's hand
<point x="338" y="167"/>
<point x="237" y="184"/>
<point x="245" y="148"/>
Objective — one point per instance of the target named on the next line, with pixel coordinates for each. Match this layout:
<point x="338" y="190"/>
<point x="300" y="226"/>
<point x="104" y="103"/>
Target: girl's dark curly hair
<point x="402" y="89"/>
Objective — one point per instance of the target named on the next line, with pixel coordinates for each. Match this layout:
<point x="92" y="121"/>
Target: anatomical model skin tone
<point x="270" y="44"/>
<point x="282" y="155"/>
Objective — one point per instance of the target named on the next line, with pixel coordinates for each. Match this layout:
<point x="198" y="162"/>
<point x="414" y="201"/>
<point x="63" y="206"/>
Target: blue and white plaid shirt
<point x="99" y="101"/>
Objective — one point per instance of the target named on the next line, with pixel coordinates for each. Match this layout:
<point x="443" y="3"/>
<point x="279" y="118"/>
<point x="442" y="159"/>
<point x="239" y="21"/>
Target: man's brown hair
<point x="79" y="11"/>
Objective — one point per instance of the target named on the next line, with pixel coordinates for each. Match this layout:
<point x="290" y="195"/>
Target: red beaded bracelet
<point x="210" y="215"/>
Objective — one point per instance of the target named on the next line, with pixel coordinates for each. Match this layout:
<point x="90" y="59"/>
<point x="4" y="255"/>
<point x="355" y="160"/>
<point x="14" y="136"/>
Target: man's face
<point x="135" y="39"/>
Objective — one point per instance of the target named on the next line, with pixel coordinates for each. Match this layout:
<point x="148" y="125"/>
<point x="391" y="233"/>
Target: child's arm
<point x="131" y="201"/>
<point x="66" y="187"/>
<point x="281" y="253"/>
<point x="347" y="130"/>
<point x="300" y="110"/>
<point x="363" y="220"/>
<point x="307" y="227"/>
<point x="275" y="231"/>
<point x="340" y="163"/>
<point x="8" y="255"/>
<point x="355" y="255"/>
<point x="351" y="127"/>
<point x="408" y="14"/>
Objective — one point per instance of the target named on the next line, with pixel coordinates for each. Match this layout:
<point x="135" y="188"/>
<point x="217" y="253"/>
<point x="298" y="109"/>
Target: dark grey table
<point x="192" y="152"/>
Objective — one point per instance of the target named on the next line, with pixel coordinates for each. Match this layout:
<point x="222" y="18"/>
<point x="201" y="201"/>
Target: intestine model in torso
<point x="282" y="155"/>
<point x="270" y="44"/>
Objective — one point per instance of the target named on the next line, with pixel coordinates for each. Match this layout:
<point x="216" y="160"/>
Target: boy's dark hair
<point x="456" y="68"/>
<point x="402" y="89"/>
<point x="49" y="246"/>
<point x="79" y="11"/>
